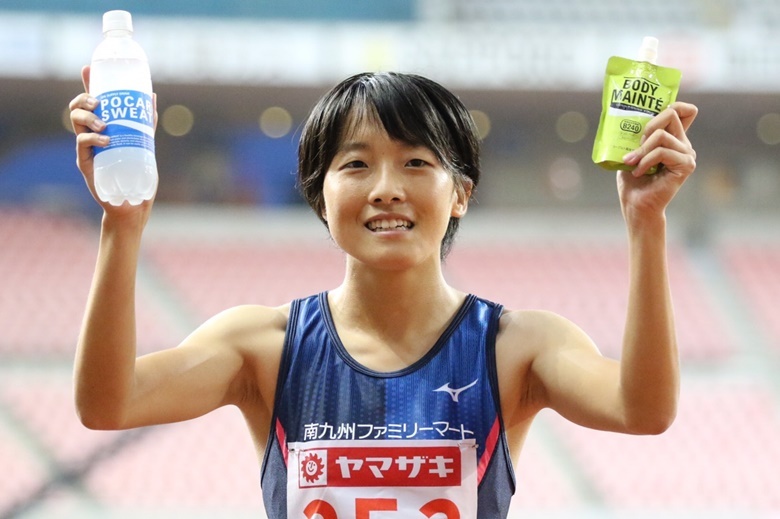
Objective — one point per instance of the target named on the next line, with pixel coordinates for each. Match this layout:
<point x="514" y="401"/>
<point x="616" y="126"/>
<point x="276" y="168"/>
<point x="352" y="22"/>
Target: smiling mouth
<point x="389" y="225"/>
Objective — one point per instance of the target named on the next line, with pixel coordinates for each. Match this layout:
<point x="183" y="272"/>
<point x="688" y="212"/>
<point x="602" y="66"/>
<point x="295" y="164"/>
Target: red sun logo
<point x="312" y="468"/>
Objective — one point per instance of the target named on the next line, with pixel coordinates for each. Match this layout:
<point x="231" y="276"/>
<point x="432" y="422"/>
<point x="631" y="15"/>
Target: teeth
<point x="385" y="225"/>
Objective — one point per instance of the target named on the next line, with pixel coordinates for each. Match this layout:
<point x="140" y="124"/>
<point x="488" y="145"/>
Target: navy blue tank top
<point x="451" y="393"/>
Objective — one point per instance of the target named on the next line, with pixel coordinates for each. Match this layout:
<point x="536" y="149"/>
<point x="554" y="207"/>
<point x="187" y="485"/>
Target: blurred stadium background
<point x="235" y="80"/>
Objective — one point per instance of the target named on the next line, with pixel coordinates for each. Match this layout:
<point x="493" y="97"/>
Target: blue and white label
<point x="129" y="118"/>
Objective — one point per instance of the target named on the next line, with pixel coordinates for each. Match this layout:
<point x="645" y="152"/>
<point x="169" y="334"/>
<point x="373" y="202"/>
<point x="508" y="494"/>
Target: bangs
<point x="405" y="112"/>
<point x="402" y="109"/>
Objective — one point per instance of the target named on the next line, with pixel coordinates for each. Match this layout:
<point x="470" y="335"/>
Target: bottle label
<point x="129" y="118"/>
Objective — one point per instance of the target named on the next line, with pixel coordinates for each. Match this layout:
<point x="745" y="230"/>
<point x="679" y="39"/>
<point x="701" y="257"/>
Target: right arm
<point x="116" y="390"/>
<point x="218" y="364"/>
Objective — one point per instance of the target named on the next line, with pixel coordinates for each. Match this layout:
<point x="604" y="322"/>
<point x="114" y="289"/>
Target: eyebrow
<point x="352" y="146"/>
<point x="349" y="146"/>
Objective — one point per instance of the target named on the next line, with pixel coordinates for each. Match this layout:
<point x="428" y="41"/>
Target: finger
<point x="665" y="150"/>
<point x="676" y="119"/>
<point x="85" y="121"/>
<point x="686" y="112"/>
<point x="85" y="142"/>
<point x="81" y="114"/>
<point x="666" y="129"/>
<point x="84" y="101"/>
<point x="673" y="161"/>
<point x="672" y="135"/>
<point x="669" y="121"/>
<point x="652" y="152"/>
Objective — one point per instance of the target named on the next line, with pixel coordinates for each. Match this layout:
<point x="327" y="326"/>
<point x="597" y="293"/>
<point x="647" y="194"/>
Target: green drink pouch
<point x="634" y="92"/>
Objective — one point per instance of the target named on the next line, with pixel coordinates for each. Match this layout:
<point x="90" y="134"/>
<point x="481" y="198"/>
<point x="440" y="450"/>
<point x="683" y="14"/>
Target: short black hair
<point x="411" y="108"/>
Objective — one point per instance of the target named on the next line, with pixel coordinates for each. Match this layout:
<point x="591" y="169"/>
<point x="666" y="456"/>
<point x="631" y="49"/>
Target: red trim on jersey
<point x="281" y="437"/>
<point x="490" y="446"/>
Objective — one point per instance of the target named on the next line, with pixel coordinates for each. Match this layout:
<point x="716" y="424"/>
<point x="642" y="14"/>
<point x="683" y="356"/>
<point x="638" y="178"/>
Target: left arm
<point x="639" y="393"/>
<point x="650" y="373"/>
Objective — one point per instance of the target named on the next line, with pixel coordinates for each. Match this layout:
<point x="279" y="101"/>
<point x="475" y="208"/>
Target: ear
<point x="462" y="195"/>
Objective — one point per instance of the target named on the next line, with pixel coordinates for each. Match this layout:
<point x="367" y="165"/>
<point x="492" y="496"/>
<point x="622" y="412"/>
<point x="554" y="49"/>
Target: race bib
<point x="387" y="479"/>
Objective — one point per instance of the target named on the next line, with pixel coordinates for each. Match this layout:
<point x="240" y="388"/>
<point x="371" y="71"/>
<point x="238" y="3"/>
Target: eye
<point x="354" y="164"/>
<point x="417" y="163"/>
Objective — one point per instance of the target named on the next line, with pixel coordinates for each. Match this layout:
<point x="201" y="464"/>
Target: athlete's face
<point x="387" y="202"/>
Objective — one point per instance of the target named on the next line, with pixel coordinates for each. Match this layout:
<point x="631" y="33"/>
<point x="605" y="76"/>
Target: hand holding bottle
<point x="87" y="127"/>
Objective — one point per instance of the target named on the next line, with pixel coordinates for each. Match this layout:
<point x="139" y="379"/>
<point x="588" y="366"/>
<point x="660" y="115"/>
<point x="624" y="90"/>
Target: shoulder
<point x="248" y="331"/>
<point x="250" y="319"/>
<point x="522" y="334"/>
<point x="254" y="336"/>
<point x="540" y="323"/>
<point x="533" y="327"/>
<point x="248" y="328"/>
<point x="539" y="333"/>
<point x="528" y="341"/>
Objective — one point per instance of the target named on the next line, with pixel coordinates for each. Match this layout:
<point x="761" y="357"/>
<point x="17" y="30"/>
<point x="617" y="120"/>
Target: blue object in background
<point x="42" y="171"/>
<point x="266" y="167"/>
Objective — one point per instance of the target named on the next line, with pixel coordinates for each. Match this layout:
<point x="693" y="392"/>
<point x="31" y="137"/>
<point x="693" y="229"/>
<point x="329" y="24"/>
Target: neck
<point x="392" y="304"/>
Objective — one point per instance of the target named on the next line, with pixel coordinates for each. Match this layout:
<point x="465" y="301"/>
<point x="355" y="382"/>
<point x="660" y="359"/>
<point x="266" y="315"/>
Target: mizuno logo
<point x="454" y="393"/>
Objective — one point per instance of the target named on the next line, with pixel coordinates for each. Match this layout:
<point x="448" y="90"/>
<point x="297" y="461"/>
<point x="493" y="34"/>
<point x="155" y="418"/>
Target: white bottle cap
<point x="117" y="20"/>
<point x="649" y="50"/>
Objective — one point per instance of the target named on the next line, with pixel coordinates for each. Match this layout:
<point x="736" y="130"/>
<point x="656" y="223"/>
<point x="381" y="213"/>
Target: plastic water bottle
<point x="126" y="169"/>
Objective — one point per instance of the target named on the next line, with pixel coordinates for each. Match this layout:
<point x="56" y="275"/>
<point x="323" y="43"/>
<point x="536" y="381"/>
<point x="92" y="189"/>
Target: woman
<point x="394" y="391"/>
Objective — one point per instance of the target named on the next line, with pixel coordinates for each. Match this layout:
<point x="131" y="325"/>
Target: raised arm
<point x="637" y="394"/>
<point x="649" y="365"/>
<point x="214" y="366"/>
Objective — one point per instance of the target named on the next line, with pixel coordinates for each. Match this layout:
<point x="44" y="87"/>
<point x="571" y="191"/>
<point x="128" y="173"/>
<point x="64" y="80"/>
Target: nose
<point x="388" y="185"/>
